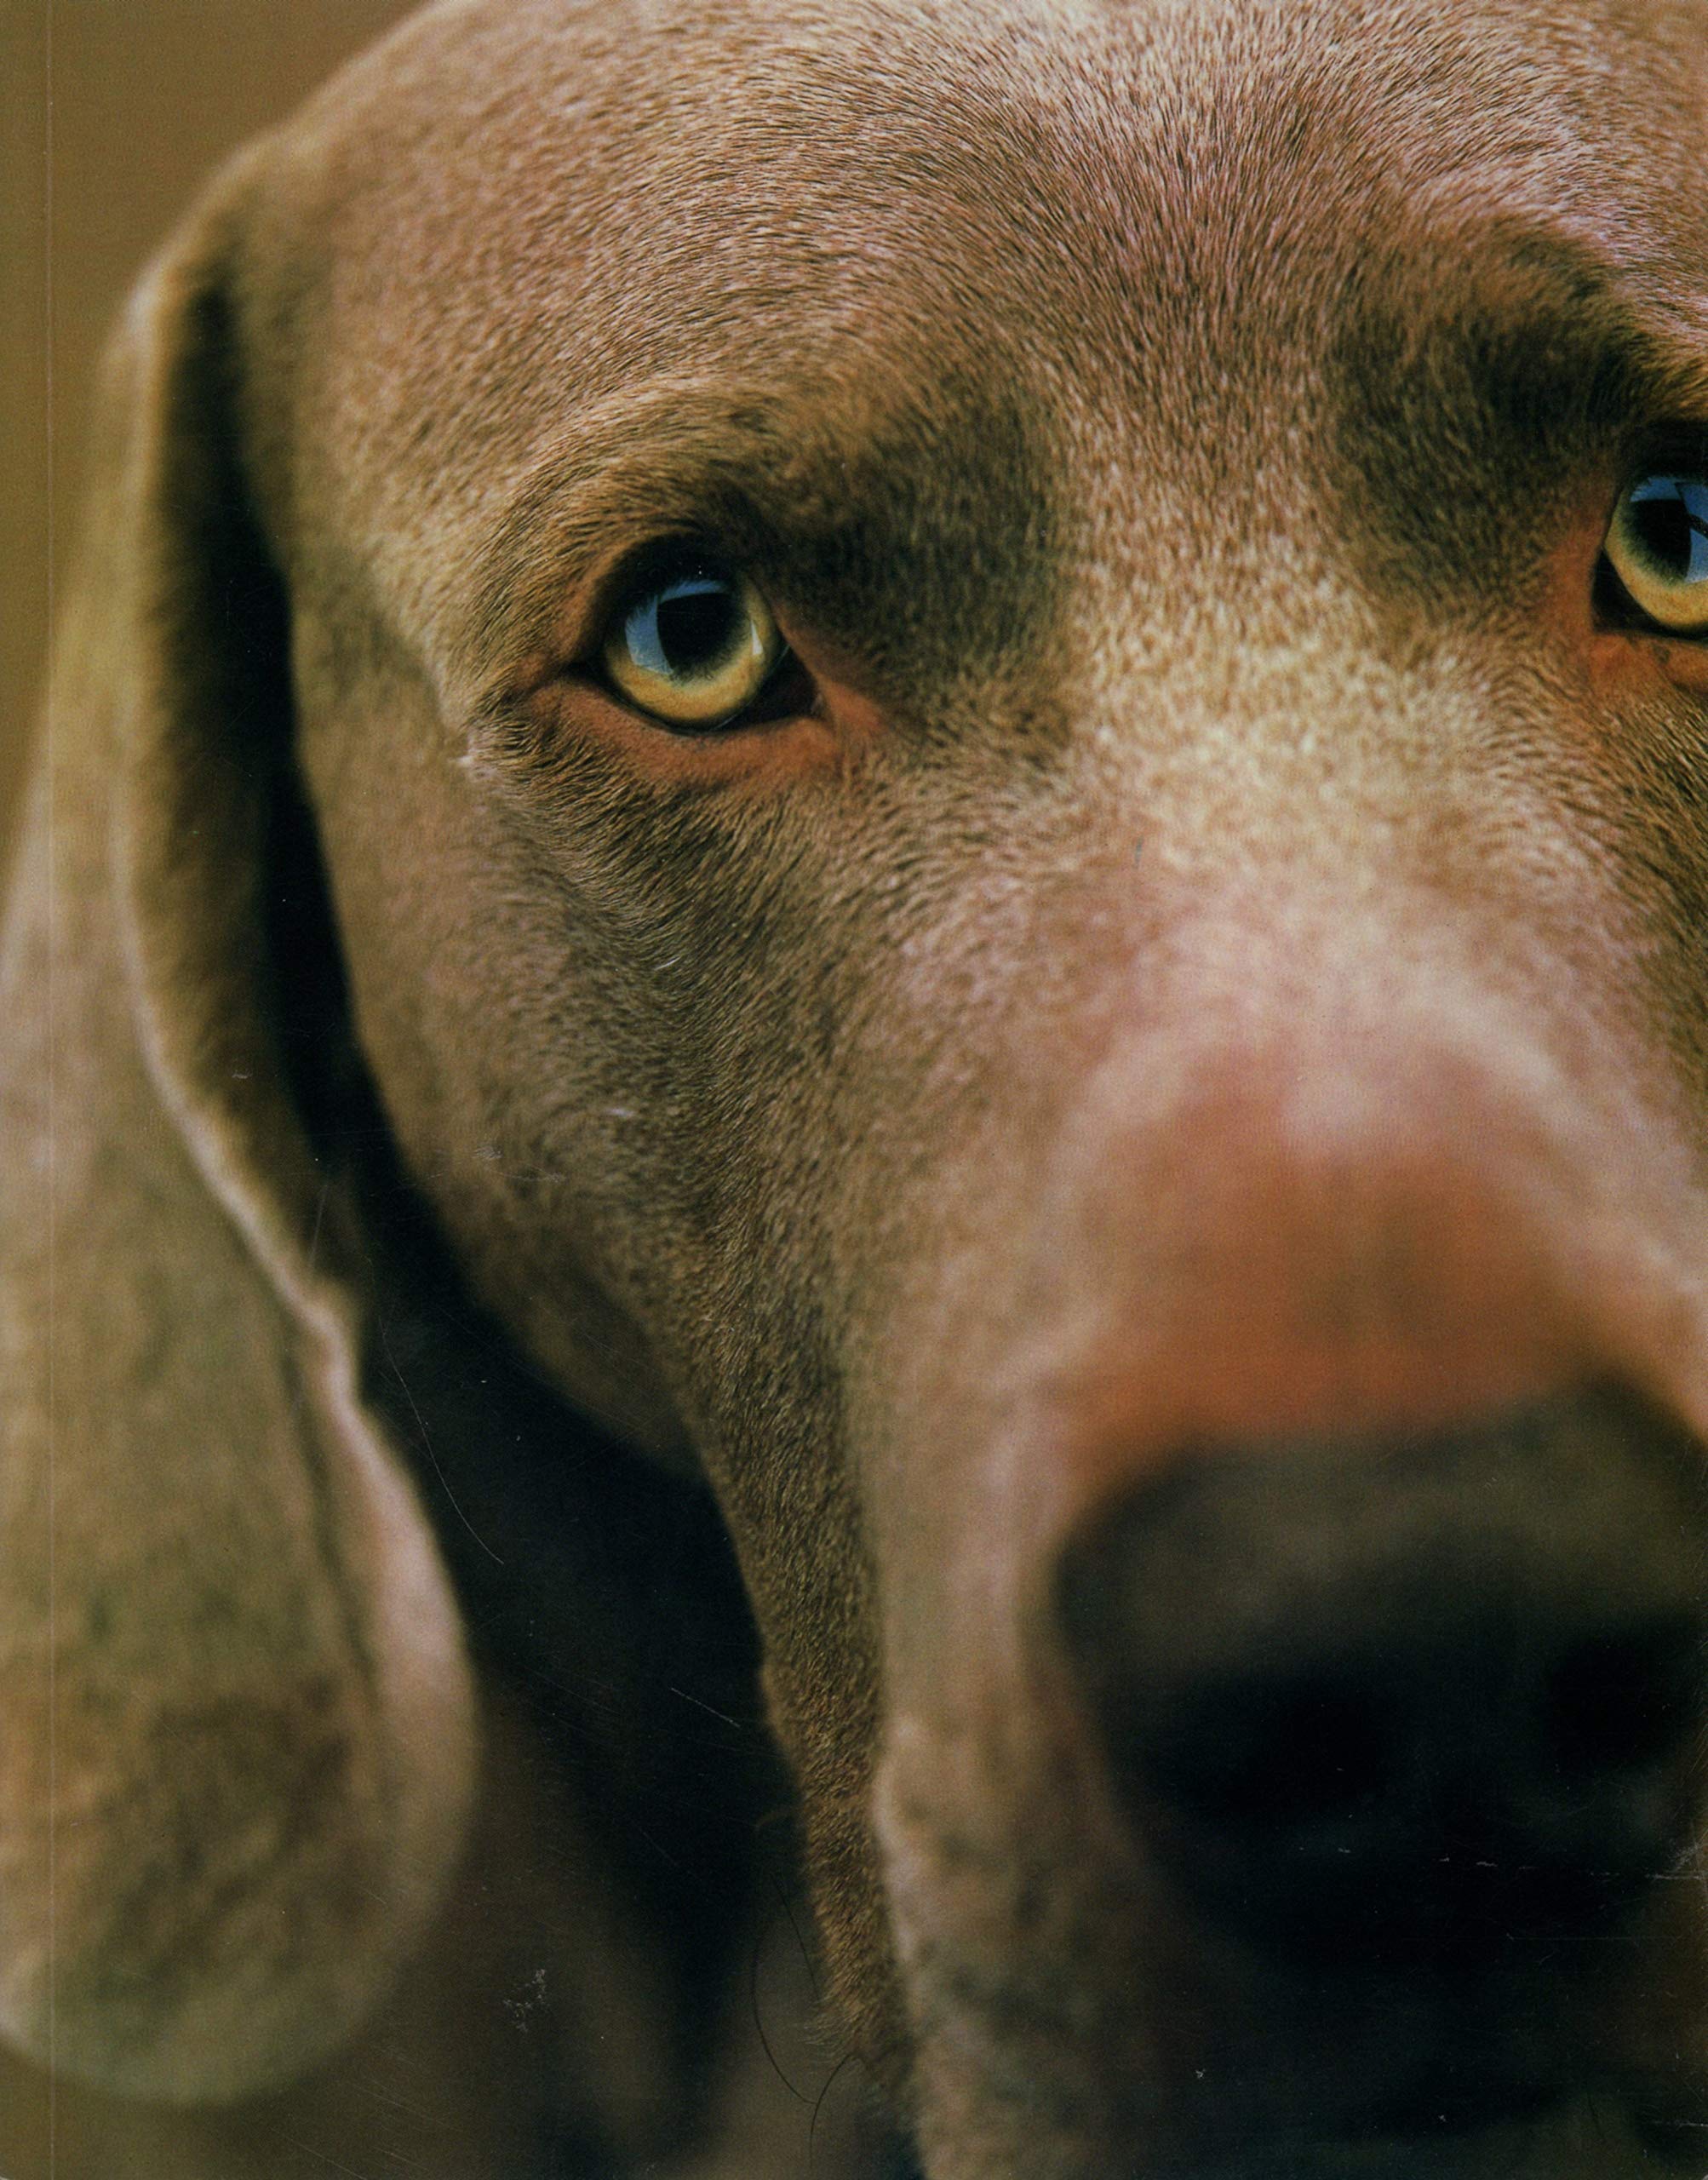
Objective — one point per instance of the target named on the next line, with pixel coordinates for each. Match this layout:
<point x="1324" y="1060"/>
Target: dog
<point x="857" y="1054"/>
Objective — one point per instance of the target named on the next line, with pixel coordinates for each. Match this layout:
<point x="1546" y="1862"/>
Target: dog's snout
<point x="1426" y="1697"/>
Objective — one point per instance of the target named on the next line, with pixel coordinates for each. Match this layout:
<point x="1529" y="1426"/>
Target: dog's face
<point x="1010" y="759"/>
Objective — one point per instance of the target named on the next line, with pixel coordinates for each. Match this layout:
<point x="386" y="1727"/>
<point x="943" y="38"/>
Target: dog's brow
<point x="918" y="528"/>
<point x="1529" y="321"/>
<point x="1529" y="362"/>
<point x="672" y="461"/>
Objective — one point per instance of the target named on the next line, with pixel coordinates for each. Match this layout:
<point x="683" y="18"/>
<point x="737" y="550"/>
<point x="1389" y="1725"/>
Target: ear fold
<point x="236" y="1736"/>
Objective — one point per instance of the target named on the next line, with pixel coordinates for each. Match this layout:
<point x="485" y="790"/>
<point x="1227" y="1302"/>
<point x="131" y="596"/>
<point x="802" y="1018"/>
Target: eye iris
<point x="1669" y="526"/>
<point x="1657" y="546"/>
<point x="695" y="646"/>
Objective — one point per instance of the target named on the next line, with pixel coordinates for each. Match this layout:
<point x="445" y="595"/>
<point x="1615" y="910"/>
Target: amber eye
<point x="693" y="643"/>
<point x="1657" y="546"/>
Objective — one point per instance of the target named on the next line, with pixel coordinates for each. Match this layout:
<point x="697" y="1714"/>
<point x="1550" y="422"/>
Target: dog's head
<point x="1004" y="712"/>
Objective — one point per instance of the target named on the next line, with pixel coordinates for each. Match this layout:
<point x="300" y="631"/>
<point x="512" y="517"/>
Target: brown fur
<point x="1224" y="962"/>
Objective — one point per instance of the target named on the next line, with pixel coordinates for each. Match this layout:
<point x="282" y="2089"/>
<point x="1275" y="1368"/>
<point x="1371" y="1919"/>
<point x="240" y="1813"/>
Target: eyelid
<point x="621" y="577"/>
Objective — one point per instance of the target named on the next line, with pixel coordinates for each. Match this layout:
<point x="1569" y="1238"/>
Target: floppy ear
<point x="235" y="1712"/>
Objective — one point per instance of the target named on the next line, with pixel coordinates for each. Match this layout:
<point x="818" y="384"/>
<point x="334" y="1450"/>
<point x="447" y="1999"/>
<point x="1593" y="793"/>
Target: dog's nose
<point x="1424" y="1698"/>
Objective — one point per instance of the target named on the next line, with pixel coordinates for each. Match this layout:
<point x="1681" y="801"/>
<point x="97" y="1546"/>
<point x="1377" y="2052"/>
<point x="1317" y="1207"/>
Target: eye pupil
<point x="686" y="627"/>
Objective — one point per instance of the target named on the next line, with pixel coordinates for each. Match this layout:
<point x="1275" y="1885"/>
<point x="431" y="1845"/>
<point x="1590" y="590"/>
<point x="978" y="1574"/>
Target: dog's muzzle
<point x="1326" y="1643"/>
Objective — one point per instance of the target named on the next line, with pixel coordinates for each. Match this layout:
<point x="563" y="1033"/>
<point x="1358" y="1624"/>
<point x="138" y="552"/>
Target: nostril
<point x="1249" y="1752"/>
<point x="1624" y="1702"/>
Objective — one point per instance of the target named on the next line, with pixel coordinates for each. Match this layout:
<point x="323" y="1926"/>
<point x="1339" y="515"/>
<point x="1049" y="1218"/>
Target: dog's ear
<point x="235" y="1717"/>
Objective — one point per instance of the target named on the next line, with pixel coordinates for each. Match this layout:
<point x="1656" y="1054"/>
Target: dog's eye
<point x="1657" y="547"/>
<point x="693" y="643"/>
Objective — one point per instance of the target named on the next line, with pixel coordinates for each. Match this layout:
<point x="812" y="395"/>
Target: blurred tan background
<point x="110" y="113"/>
